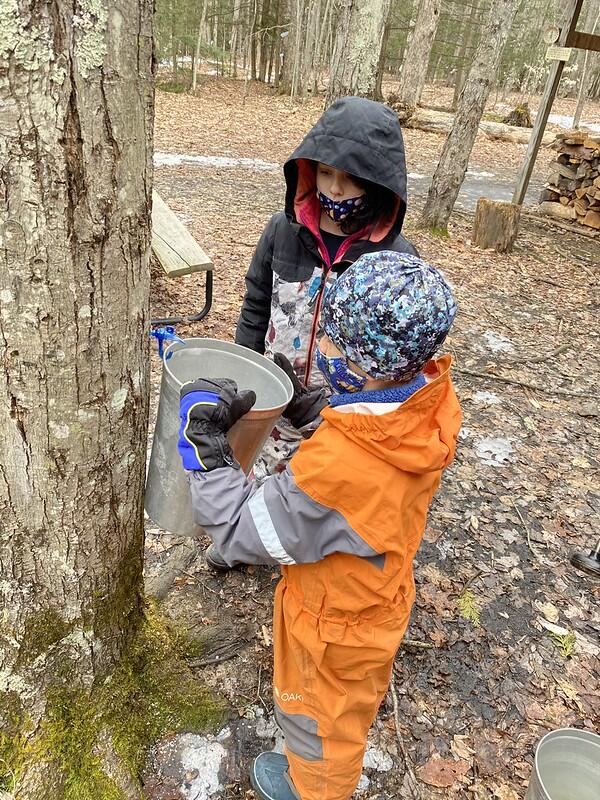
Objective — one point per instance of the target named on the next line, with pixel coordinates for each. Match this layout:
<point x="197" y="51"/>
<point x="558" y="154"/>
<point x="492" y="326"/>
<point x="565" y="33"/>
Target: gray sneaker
<point x="215" y="560"/>
<point x="270" y="778"/>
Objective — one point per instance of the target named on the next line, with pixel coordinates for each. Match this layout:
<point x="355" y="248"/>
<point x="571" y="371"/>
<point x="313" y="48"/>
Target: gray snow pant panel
<point x="300" y="734"/>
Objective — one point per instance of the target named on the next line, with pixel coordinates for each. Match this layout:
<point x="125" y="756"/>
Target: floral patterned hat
<point x="389" y="313"/>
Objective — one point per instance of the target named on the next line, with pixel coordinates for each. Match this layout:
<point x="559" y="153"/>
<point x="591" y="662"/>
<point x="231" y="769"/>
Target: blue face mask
<point x="339" y="375"/>
<point x="339" y="210"/>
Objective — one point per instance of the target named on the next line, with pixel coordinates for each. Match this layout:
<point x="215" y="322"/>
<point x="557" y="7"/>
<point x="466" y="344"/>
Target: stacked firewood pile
<point x="573" y="188"/>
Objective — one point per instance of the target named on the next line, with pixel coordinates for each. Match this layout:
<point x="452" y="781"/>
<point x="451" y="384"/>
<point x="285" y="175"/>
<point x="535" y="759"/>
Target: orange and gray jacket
<point x="291" y="264"/>
<point x="347" y="516"/>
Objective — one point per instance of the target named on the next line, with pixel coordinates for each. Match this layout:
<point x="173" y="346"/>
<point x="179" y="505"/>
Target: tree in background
<point x="454" y="160"/>
<point x="585" y="79"/>
<point x="76" y="166"/>
<point x="246" y="38"/>
<point x="416" y="57"/>
<point x="356" y="55"/>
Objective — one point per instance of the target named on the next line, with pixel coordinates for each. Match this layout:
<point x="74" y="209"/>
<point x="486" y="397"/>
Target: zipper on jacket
<point x="325" y="270"/>
<point x="315" y="324"/>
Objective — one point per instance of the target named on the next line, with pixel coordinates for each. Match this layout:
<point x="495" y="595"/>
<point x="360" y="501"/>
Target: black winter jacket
<point x="290" y="266"/>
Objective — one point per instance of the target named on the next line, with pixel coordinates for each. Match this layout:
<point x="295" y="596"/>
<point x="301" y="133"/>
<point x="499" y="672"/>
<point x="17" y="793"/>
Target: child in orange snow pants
<point x="346" y="517"/>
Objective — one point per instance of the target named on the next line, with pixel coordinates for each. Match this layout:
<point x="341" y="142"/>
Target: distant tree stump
<point x="496" y="225"/>
<point x="521" y="116"/>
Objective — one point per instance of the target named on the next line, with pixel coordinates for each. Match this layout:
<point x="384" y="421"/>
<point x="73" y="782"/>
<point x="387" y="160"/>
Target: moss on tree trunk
<point x="94" y="741"/>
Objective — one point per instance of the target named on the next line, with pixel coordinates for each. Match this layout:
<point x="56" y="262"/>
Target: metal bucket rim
<point x="276" y="372"/>
<point x="595" y="739"/>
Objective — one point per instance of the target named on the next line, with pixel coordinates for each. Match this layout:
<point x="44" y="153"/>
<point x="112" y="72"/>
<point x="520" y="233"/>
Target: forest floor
<point x="504" y="641"/>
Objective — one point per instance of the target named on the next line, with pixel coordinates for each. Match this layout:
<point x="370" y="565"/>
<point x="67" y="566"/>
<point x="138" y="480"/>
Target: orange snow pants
<point x="330" y="677"/>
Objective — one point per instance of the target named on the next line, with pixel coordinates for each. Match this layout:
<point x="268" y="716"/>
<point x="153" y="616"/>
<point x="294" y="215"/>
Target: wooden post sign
<point x="556" y="53"/>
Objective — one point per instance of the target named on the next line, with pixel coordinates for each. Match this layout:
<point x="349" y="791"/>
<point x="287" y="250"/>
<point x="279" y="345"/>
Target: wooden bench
<point x="178" y="253"/>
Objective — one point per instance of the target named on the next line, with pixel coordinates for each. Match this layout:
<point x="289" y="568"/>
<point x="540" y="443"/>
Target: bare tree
<point x="356" y="55"/>
<point x="416" y="56"/>
<point x="468" y="37"/>
<point x="454" y="160"/>
<point x="76" y="179"/>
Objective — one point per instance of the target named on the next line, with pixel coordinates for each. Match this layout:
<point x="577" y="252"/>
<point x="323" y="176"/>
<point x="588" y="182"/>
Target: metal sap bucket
<point x="167" y="500"/>
<point x="566" y="767"/>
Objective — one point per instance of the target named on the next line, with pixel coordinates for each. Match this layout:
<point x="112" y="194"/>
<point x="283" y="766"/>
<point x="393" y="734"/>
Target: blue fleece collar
<point x="398" y="394"/>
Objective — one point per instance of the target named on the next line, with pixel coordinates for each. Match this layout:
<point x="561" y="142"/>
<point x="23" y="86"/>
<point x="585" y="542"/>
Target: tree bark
<point x="199" y="38"/>
<point x="468" y="35"/>
<point x="289" y="48"/>
<point x="264" y="40"/>
<point x="454" y="160"/>
<point x="254" y="9"/>
<point x="75" y="200"/>
<point x="356" y="54"/>
<point x="235" y="36"/>
<point x="496" y="225"/>
<point x="416" y="57"/>
<point x="174" y="47"/>
<point x="382" y="61"/>
<point x="308" y="73"/>
<point x="323" y="31"/>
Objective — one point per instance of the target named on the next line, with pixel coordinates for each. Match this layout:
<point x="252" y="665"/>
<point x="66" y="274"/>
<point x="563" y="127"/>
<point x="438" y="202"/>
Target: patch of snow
<point x="267" y="728"/>
<point x="175" y="159"/>
<point x="480" y="174"/>
<point x="168" y="62"/>
<point x="377" y="759"/>
<point x="416" y="176"/>
<point x="444" y="547"/>
<point x="494" y="451"/>
<point x="198" y="760"/>
<point x="498" y="343"/>
<point x="487" y="398"/>
<point x="567" y="122"/>
<point x="363" y="785"/>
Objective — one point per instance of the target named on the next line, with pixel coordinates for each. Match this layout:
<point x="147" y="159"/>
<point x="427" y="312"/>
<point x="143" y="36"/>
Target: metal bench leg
<point x="196" y="317"/>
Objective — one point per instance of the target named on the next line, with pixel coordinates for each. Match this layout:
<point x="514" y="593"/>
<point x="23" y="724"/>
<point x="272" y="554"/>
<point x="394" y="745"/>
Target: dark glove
<point x="306" y="404"/>
<point x="208" y="409"/>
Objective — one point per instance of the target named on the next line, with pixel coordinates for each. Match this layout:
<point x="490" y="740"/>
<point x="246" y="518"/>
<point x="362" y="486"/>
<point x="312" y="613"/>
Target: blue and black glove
<point x="208" y="409"/>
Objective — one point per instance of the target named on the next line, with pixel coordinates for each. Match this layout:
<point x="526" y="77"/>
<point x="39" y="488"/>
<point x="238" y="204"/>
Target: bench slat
<point x="173" y="245"/>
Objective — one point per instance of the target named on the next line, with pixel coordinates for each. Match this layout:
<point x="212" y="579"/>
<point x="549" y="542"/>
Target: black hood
<point x="361" y="137"/>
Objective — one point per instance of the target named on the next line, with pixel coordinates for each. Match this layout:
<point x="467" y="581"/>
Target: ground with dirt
<point x="504" y="641"/>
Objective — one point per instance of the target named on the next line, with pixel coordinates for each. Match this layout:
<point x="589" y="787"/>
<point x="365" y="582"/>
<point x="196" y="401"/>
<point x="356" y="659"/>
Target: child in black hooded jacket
<point x="346" y="196"/>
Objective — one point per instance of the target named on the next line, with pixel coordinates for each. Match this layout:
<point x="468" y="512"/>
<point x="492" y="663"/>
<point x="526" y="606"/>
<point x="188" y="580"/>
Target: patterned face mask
<point x="343" y="209"/>
<point x="339" y="375"/>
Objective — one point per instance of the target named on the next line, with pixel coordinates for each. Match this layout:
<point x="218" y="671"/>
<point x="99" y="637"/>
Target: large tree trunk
<point x="356" y="55"/>
<point x="454" y="160"/>
<point x="416" y="56"/>
<point x="76" y="180"/>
